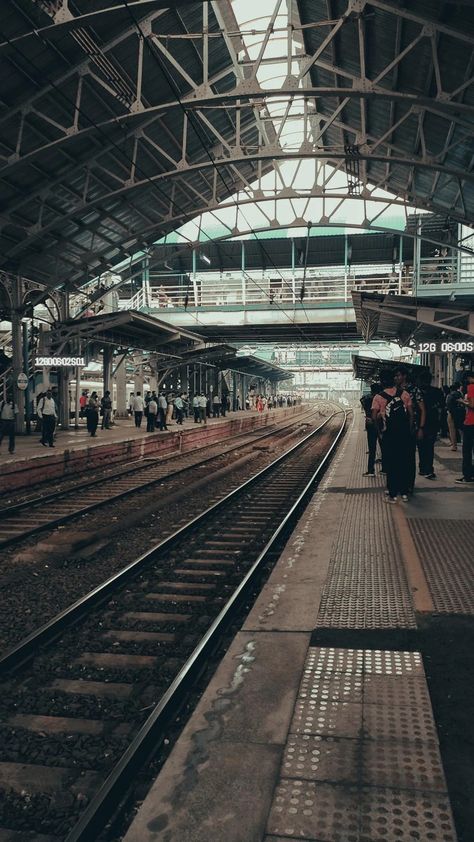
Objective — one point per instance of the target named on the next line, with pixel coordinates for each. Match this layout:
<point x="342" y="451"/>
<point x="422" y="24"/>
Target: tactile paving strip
<point x="386" y="690"/>
<point x="381" y="783"/>
<point x="315" y="811"/>
<point x="448" y="563"/>
<point x="398" y="723"/>
<point x="402" y="764"/>
<point x="366" y="585"/>
<point x="359" y="465"/>
<point x="334" y="719"/>
<point x="321" y="759"/>
<point x="391" y="815"/>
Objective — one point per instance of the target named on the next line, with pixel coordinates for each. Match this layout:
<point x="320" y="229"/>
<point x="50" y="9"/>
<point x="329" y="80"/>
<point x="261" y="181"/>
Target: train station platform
<point x="76" y="451"/>
<point x="318" y="724"/>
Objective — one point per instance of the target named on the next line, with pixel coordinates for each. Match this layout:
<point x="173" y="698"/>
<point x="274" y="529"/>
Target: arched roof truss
<point x="120" y="121"/>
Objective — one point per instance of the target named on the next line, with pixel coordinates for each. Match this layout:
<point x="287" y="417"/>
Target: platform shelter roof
<point x="127" y="329"/>
<point x="369" y="368"/>
<point x="410" y="320"/>
<point x="226" y="357"/>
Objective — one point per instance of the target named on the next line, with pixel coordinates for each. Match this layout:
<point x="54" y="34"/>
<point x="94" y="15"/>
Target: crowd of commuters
<point x="158" y="410"/>
<point x="404" y="418"/>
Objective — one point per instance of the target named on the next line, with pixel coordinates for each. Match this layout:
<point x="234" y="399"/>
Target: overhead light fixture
<point x="205" y="258"/>
<point x="167" y="266"/>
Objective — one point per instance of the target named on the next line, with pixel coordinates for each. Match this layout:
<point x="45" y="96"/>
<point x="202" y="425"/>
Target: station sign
<point x="22" y="381"/>
<point x="442" y="347"/>
<point x="59" y="361"/>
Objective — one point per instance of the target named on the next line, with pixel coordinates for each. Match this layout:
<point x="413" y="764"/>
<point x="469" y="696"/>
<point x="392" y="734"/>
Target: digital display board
<point x="441" y="346"/>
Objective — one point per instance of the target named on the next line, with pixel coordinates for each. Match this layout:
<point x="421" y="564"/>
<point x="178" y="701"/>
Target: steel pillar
<point x="120" y="377"/>
<point x="17" y="359"/>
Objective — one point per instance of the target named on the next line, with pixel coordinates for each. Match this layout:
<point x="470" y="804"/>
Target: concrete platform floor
<point x="123" y="429"/>
<point x="318" y="724"/>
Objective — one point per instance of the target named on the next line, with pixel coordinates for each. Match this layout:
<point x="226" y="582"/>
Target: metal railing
<point x="436" y="271"/>
<point x="217" y="291"/>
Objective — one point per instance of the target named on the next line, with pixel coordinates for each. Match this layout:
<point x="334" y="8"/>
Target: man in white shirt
<point x="178" y="403"/>
<point x="197" y="419"/>
<point x="8" y="411"/>
<point x="202" y="408"/>
<point x="138" y="406"/>
<point x="162" y="407"/>
<point x="151" y="419"/>
<point x="48" y="414"/>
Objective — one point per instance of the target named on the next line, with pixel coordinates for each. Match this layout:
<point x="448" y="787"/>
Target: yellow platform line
<point x="420" y="591"/>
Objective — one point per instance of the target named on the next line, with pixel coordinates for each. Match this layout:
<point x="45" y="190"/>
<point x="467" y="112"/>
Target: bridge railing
<point x="225" y="292"/>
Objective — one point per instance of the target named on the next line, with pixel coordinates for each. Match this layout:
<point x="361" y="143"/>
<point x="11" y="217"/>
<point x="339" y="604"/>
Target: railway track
<point x="46" y="511"/>
<point x="86" y="697"/>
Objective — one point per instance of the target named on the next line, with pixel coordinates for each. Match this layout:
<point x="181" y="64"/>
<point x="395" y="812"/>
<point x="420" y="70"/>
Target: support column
<point x="64" y="402"/>
<point x="346" y="264"/>
<point x="293" y="279"/>
<point x="138" y="376"/>
<point x="120" y="377"/>
<point x="107" y="368"/>
<point x="234" y="391"/>
<point x="17" y="366"/>
<point x="400" y="265"/>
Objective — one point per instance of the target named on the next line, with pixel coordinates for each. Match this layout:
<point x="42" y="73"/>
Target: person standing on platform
<point x="468" y="431"/>
<point x="93" y="414"/>
<point x="433" y="400"/>
<point x="178" y="405"/>
<point x="392" y="412"/>
<point x="83" y="403"/>
<point x="403" y="381"/>
<point x="185" y="399"/>
<point x="48" y="414"/>
<point x="224" y="404"/>
<point x="162" y="406"/>
<point x="196" y="413"/>
<point x="169" y="407"/>
<point x="370" y="428"/>
<point x="216" y="403"/>
<point x="8" y="412"/>
<point x="202" y="408"/>
<point x="151" y="418"/>
<point x="138" y="407"/>
<point x="456" y="415"/>
<point x="106" y="410"/>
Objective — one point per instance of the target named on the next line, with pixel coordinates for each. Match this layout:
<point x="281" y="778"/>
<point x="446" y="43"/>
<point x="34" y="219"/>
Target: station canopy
<point x="410" y="320"/>
<point x="128" y="330"/>
<point x="121" y="123"/>
<point x="369" y="368"/>
<point x="125" y="330"/>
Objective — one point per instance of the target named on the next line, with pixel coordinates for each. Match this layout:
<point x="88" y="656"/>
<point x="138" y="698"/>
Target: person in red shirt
<point x="468" y="432"/>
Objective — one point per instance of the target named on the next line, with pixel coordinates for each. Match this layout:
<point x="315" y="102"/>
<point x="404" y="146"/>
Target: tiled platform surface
<point x="75" y="450"/>
<point x="323" y="743"/>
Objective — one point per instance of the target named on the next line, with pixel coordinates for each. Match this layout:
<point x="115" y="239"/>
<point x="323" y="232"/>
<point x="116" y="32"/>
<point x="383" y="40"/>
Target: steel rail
<point x="150" y="736"/>
<point x="26" y="648"/>
<point x="56" y="521"/>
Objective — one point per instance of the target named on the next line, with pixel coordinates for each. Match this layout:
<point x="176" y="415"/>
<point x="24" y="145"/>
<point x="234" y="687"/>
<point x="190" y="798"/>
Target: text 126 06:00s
<point x="445" y="347"/>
